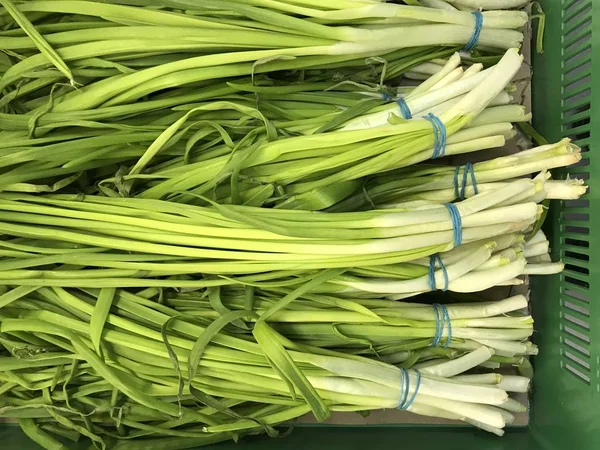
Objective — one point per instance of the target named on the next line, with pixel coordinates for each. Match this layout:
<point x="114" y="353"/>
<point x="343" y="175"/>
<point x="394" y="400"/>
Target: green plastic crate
<point x="565" y="403"/>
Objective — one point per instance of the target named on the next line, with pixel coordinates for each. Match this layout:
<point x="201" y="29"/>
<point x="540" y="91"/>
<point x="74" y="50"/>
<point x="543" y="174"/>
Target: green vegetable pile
<point x="217" y="216"/>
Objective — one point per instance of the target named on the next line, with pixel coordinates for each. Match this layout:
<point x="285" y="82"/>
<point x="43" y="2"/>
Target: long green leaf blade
<point x="101" y="311"/>
<point x="41" y="43"/>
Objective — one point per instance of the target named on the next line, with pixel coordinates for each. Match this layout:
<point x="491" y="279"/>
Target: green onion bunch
<point x="77" y="240"/>
<point x="443" y="183"/>
<point x="125" y="371"/>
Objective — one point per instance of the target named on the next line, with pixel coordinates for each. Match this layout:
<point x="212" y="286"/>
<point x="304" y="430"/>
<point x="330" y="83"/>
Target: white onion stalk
<point x="501" y="347"/>
<point x="452" y="64"/>
<point x="503" y="98"/>
<point x="514" y="383"/>
<point x="512" y="282"/>
<point x="460" y="365"/>
<point x="502" y="113"/>
<point x="510" y="348"/>
<point x="503" y="242"/>
<point x="483" y="378"/>
<point x="453" y="76"/>
<point x="497" y="260"/>
<point x="475" y="412"/>
<point x="491" y="4"/>
<point x="420" y="284"/>
<point x="513" y="406"/>
<point x="472" y="70"/>
<point x="508" y="417"/>
<point x="544" y="269"/>
<point x="536" y="249"/>
<point x="411" y="75"/>
<point x="539" y="259"/>
<point x="432" y="411"/>
<point x="508" y="383"/>
<point x="537" y="238"/>
<point x="479" y="281"/>
<point x="438" y="4"/>
<point x="428" y="68"/>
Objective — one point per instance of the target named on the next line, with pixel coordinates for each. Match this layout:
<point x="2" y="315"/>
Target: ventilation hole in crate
<point x="575" y="85"/>
<point x="577" y="295"/>
<point x="578" y="360"/>
<point x="577" y="308"/>
<point x="574" y="72"/>
<point x="575" y="32"/>
<point x="579" y="58"/>
<point x="575" y="124"/>
<point x="578" y="109"/>
<point x="577" y="230"/>
<point x="574" y="320"/>
<point x="578" y="373"/>
<point x="577" y="269"/>
<point x="575" y="255"/>
<point x="578" y="42"/>
<point x="570" y="5"/>
<point x="576" y="282"/>
<point x="578" y="15"/>
<point x="577" y="243"/>
<point x="577" y="334"/>
<point x="578" y="136"/>
<point x="579" y="203"/>
<point x="576" y="346"/>
<point x="568" y="99"/>
<point x="576" y="216"/>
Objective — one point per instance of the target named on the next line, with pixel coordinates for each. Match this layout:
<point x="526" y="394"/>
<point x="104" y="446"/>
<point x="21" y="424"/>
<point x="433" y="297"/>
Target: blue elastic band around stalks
<point x="404" y="109"/>
<point x="476" y="32"/>
<point x="468" y="171"/>
<point x="435" y="260"/>
<point x="405" y="402"/>
<point x="448" y="325"/>
<point x="439" y="135"/>
<point x="442" y="321"/>
<point x="456" y="223"/>
<point x="387" y="97"/>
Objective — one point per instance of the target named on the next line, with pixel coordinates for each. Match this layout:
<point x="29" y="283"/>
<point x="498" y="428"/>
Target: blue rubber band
<point x="439" y="135"/>
<point x="404" y="109"/>
<point x="405" y="402"/>
<point x="468" y="171"/>
<point x="456" y="223"/>
<point x="448" y="325"/>
<point x="456" y="193"/>
<point x="439" y="328"/>
<point x="387" y="97"/>
<point x="476" y="32"/>
<point x="442" y="322"/>
<point x="404" y="385"/>
<point x="433" y="261"/>
<point x="412" y="399"/>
